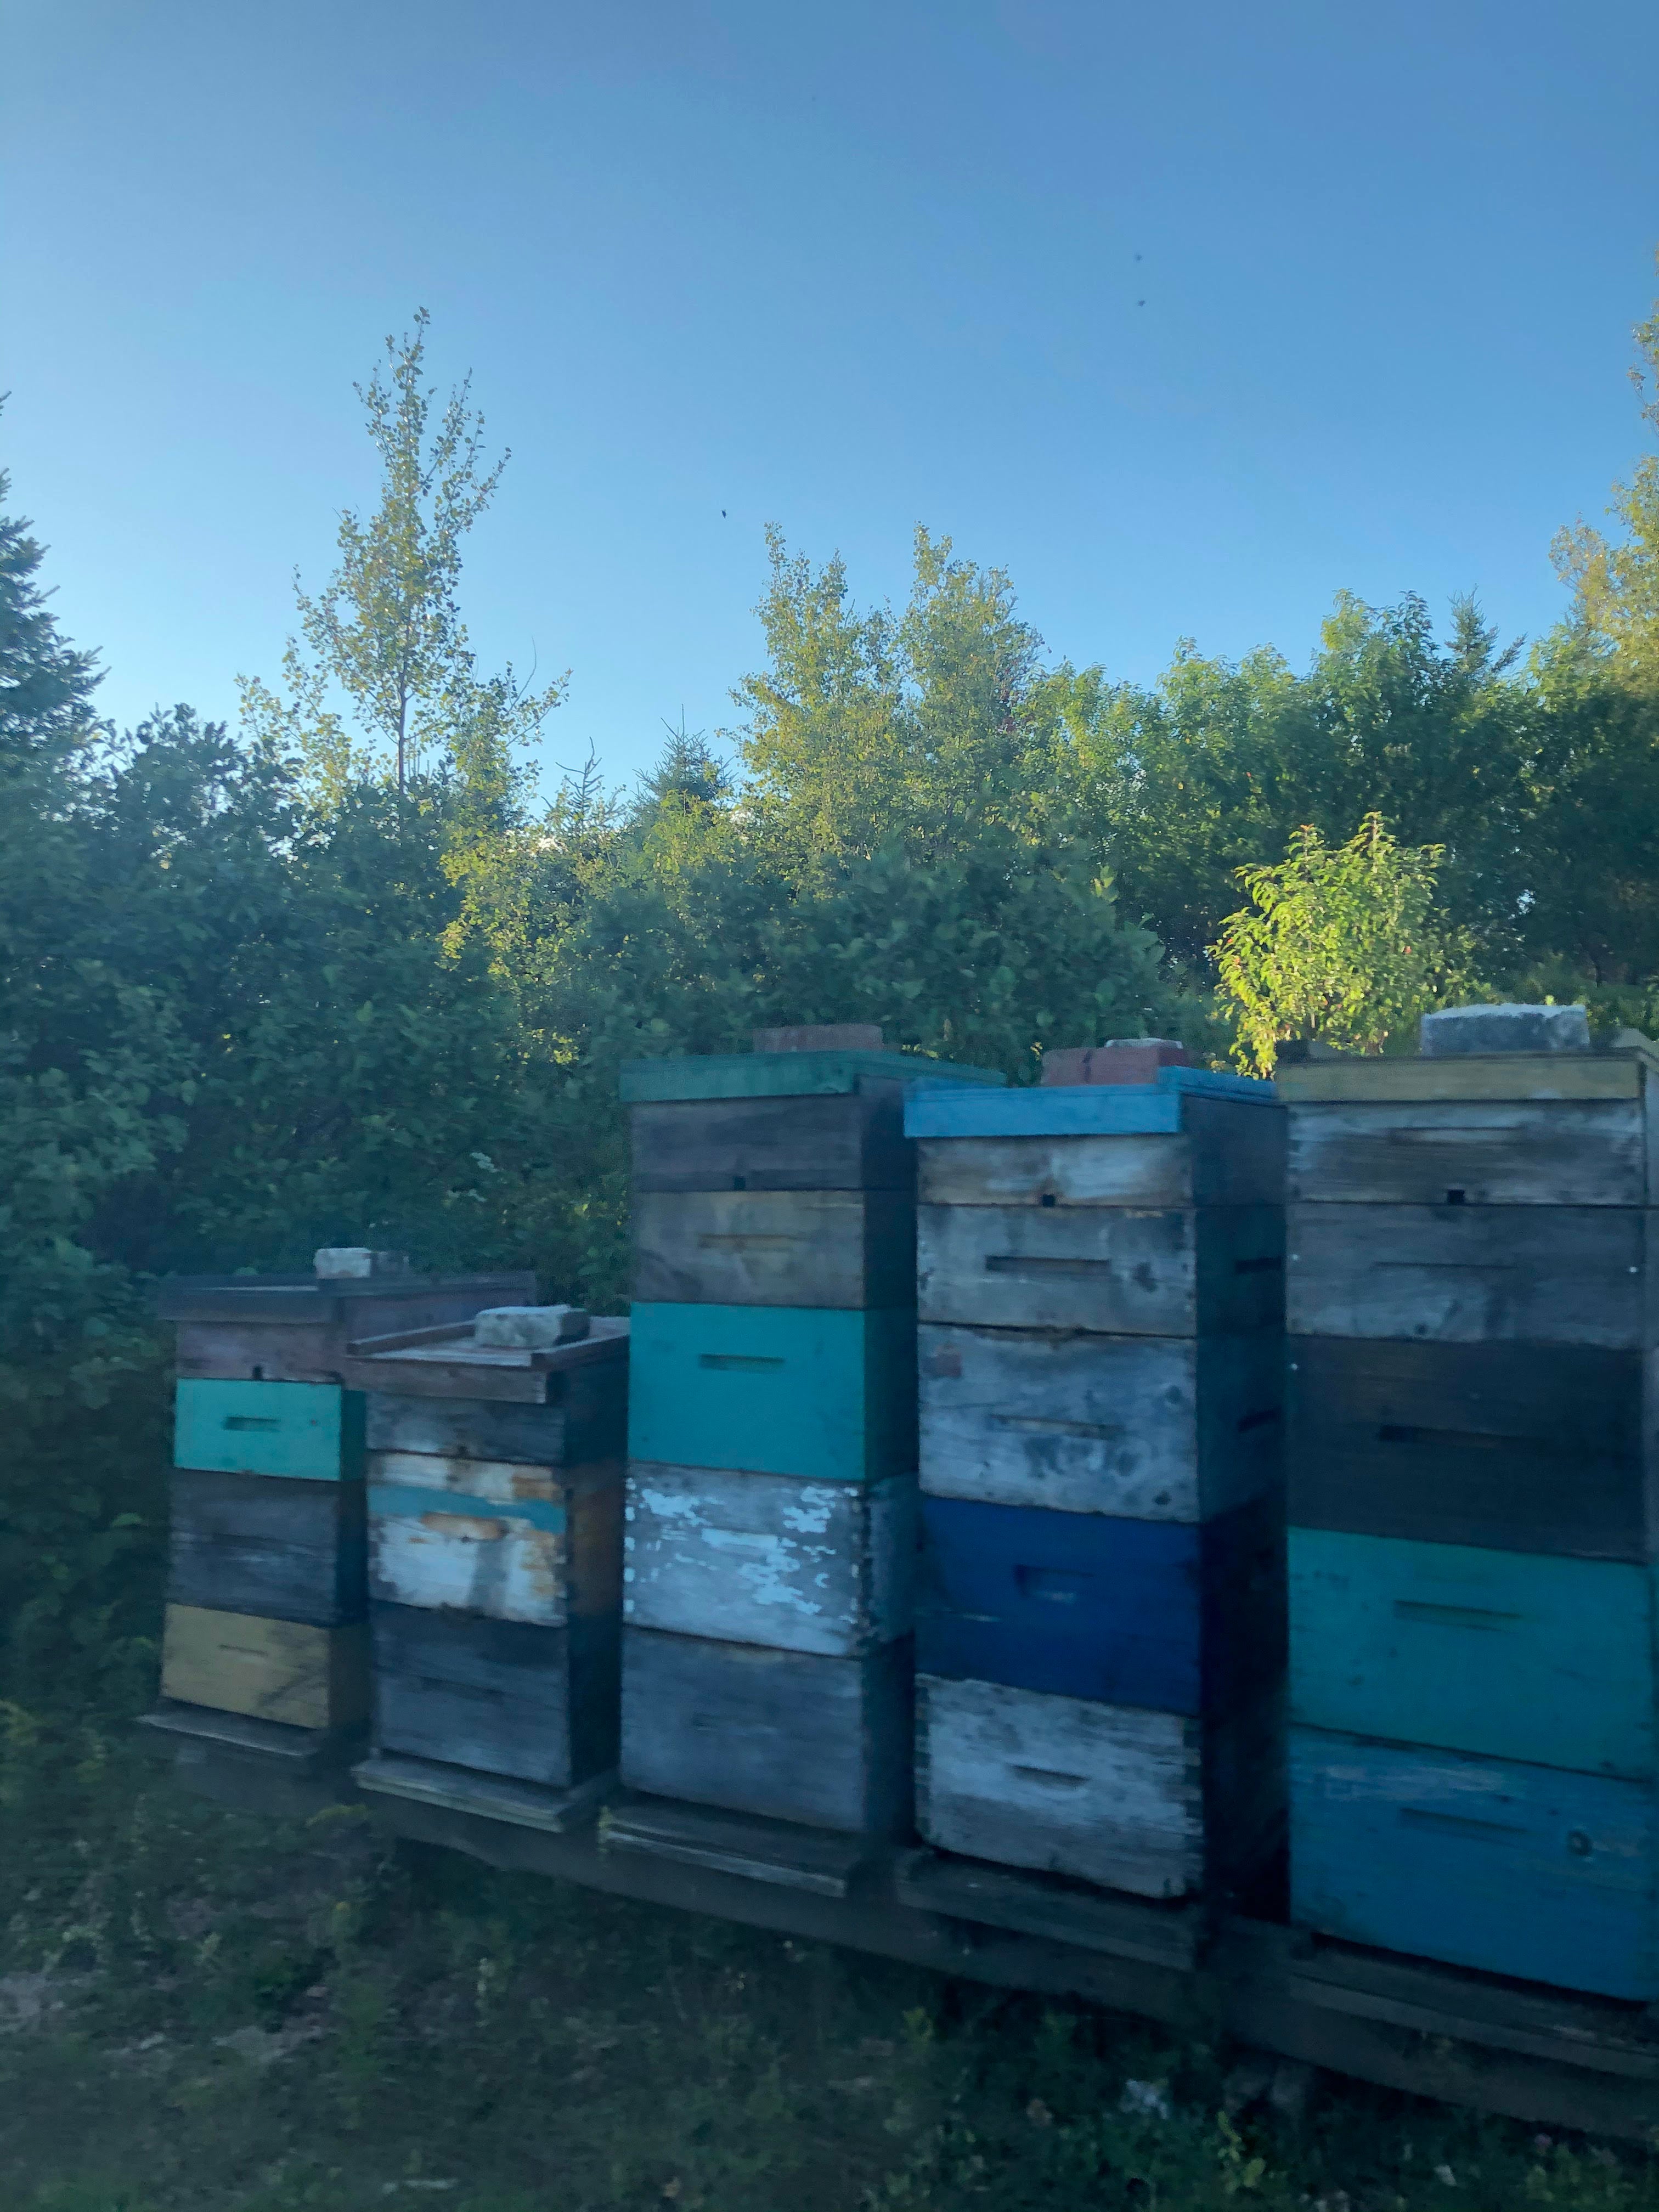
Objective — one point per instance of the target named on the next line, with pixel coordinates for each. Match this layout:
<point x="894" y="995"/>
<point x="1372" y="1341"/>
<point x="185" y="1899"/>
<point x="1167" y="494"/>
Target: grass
<point x="200" y="2008"/>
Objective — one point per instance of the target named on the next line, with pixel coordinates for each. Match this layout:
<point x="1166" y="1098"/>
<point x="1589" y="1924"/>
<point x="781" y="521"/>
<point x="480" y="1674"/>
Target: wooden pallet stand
<point x="253" y="1765"/>
<point x="1541" y="2056"/>
<point x="779" y="1852"/>
<point x="490" y="1797"/>
<point x="1087" y="1919"/>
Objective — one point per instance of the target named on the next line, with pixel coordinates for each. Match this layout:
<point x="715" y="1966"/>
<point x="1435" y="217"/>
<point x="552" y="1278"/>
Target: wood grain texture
<point x="588" y="1421"/>
<point x="1158" y="1804"/>
<point x="1502" y="1075"/>
<point x="775" y="1389"/>
<point x="776" y="1560"/>
<point x="775" y="1247"/>
<point x="1471" y="1274"/>
<point x="1104" y="1793"/>
<point x="1509" y="1868"/>
<point x="1116" y="1270"/>
<point x="509" y="1541"/>
<point x="221" y="1351"/>
<point x="1515" y="1447"/>
<point x="274" y="1546"/>
<point x="311" y="1430"/>
<point x="1505" y="1653"/>
<point x="349" y="1308"/>
<point x="1497" y="1152"/>
<point x="1154" y="1428"/>
<point x="1223" y="1156"/>
<point x="286" y="1671"/>
<point x="855" y="1143"/>
<point x="791" y="1735"/>
<point x="499" y="1696"/>
<point x="500" y="1374"/>
<point x="772" y="1075"/>
<point x="1167" y="1616"/>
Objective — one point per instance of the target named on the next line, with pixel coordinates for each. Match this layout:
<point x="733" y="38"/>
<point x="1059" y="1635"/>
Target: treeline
<point x="345" y="977"/>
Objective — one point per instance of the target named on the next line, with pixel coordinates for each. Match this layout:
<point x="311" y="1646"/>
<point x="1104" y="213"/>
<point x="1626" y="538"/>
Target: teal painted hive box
<point x="826" y="1392"/>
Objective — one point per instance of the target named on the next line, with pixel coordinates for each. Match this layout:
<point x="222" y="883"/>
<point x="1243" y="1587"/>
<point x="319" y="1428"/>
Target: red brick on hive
<point x="1123" y="1059"/>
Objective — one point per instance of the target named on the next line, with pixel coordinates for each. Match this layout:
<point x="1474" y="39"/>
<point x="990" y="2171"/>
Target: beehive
<point x="771" y="1494"/>
<point x="1100" y="1642"/>
<point x="1470" y="1299"/>
<point x="267" y="1595"/>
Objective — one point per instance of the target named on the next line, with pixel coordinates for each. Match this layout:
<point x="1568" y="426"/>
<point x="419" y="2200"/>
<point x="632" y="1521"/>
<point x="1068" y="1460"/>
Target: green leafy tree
<point x="1222" y="761"/>
<point x="1344" y="945"/>
<point x="385" y="632"/>
<point x="1615" y="586"/>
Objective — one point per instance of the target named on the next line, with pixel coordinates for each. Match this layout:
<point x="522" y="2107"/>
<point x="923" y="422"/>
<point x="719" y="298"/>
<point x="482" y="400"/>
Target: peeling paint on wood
<point x="508" y="1543"/>
<point x="1156" y="1428"/>
<point x="773" y="1559"/>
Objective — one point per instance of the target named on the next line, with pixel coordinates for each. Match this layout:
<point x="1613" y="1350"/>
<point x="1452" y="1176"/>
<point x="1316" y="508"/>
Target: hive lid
<point x="787" y="1075"/>
<point x="304" y="1299"/>
<point x="1119" y="1109"/>
<point x="1515" y="1076"/>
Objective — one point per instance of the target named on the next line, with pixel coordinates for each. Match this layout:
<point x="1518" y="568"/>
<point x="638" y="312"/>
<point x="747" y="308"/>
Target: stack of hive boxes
<point x="770" y="1517"/>
<point x="1100" y="1633"/>
<point x="495" y="1559"/>
<point x="266" y="1598"/>
<point x="1471" y="1489"/>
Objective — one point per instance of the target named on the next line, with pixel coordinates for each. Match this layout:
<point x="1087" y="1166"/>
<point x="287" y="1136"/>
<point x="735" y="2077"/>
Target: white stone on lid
<point x="529" y="1328"/>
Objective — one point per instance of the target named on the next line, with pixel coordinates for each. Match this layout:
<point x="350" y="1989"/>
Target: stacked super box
<point x="770" y="1517"/>
<point x="266" y="1596"/>
<point x="1100" y="1630"/>
<point x="494" y="1536"/>
<point x="1470" y="1298"/>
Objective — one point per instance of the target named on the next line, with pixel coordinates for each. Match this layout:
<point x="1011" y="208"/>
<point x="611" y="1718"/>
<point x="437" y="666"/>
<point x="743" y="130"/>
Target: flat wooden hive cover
<point x="308" y="1298"/>
<point x="1507" y="1075"/>
<point x="787" y="1075"/>
<point x="1075" y="1110"/>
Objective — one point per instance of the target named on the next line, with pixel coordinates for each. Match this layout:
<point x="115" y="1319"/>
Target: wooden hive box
<point x="772" y="1439"/>
<point x="1472" y="1548"/>
<point x="1161" y="1804"/>
<point x="779" y="1734"/>
<point x="774" y="1560"/>
<point x="495" y="1535"/>
<point x="1470" y="1301"/>
<point x="268" y="1522"/>
<point x="1100" y="1617"/>
<point x="1144" y="1210"/>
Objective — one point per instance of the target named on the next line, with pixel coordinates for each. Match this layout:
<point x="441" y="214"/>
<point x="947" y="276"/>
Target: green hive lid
<point x="785" y="1074"/>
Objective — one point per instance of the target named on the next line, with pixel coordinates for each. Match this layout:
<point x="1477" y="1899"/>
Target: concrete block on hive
<point x="529" y="1328"/>
<point x="1504" y="1028"/>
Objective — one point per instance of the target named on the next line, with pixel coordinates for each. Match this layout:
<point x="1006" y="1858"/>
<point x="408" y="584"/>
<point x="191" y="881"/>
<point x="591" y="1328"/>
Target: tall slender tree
<point x="385" y="633"/>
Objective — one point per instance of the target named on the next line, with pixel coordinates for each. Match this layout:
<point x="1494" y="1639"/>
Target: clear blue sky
<point x="844" y="268"/>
